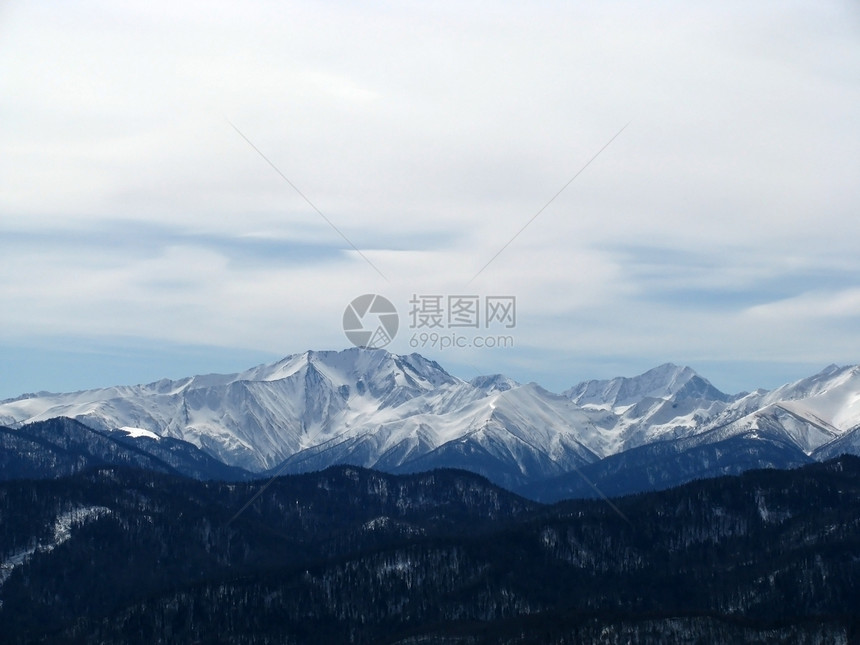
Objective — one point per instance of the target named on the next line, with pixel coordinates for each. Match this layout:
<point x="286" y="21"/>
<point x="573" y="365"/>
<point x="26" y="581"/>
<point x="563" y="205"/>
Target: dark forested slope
<point x="351" y="555"/>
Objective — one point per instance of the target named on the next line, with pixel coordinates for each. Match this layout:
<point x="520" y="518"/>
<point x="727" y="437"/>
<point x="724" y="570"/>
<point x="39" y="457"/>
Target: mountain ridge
<point x="401" y="414"/>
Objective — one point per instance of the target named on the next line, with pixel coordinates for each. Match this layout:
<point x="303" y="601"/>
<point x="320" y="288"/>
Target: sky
<point x="194" y="187"/>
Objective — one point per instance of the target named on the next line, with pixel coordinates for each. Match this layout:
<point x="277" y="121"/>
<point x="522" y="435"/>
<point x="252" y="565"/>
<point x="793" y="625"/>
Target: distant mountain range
<point x="404" y="414"/>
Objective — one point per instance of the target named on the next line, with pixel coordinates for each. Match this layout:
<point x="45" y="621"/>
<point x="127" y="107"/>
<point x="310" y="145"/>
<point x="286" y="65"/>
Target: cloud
<point x="428" y="136"/>
<point x="811" y="307"/>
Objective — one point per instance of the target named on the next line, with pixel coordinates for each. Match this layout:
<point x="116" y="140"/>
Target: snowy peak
<point x="832" y="395"/>
<point x="493" y="383"/>
<point x="830" y="378"/>
<point x="368" y="373"/>
<point x="663" y="382"/>
<point x="352" y="365"/>
<point x="700" y="389"/>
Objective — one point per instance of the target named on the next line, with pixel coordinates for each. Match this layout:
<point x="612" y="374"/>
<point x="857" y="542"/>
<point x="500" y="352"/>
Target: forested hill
<point x="351" y="555"/>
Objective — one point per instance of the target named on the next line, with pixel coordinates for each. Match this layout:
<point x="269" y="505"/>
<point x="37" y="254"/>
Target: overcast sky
<point x="141" y="235"/>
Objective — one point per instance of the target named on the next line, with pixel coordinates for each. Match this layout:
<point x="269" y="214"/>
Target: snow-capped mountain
<point x="815" y="418"/>
<point x="663" y="382"/>
<point x="257" y="418"/>
<point x="811" y="413"/>
<point x="406" y="413"/>
<point x="666" y="402"/>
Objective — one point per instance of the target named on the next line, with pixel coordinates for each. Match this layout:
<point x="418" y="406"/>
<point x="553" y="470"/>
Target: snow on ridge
<point x="284" y="368"/>
<point x="832" y="395"/>
<point x="137" y="433"/>
<point x="659" y="382"/>
<point x="61" y="532"/>
<point x="494" y="383"/>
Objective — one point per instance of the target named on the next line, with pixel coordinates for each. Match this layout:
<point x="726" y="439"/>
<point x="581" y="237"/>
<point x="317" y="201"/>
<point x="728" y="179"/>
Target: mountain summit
<point x="661" y="382"/>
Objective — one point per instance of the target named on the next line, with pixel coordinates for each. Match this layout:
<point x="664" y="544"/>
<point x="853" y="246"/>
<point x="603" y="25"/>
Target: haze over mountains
<point x="396" y="413"/>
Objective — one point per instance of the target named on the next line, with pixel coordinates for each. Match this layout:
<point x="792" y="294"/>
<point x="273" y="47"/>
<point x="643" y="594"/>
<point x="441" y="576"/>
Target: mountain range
<point x="404" y="414"/>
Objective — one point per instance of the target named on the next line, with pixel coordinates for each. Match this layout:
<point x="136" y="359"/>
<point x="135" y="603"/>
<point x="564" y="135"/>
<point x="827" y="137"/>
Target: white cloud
<point x="810" y="308"/>
<point x="429" y="135"/>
